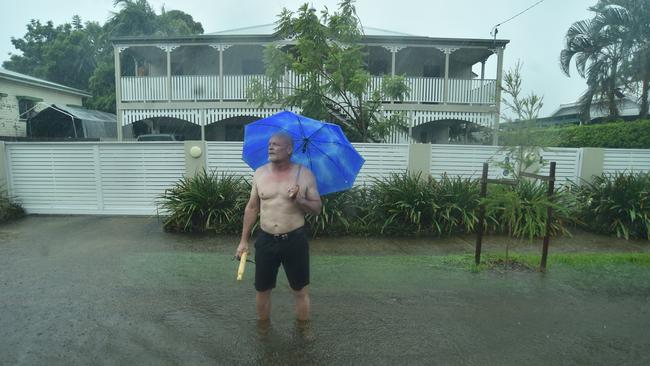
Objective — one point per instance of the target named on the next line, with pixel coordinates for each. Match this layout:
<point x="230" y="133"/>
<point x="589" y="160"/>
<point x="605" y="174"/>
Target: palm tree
<point x="598" y="57"/>
<point x="627" y="20"/>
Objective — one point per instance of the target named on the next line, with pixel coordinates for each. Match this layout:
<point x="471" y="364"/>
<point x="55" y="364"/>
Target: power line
<point x="495" y="29"/>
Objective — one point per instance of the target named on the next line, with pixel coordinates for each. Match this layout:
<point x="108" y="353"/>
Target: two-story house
<point x="197" y="85"/>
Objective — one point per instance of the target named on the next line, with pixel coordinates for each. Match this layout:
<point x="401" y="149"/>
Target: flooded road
<point x="118" y="291"/>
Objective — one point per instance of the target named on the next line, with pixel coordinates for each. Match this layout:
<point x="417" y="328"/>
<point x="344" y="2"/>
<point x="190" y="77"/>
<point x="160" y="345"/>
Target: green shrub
<point x="206" y="202"/>
<point x="343" y="213"/>
<point x="9" y="208"/>
<point x="403" y="204"/>
<point x="616" y="203"/>
<point x="521" y="210"/>
<point x="415" y="205"/>
<point x="408" y="205"/>
<point x="628" y="135"/>
<point x="457" y="201"/>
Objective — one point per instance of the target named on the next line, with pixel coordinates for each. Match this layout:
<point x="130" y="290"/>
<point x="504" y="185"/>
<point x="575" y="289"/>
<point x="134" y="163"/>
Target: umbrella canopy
<point x="320" y="146"/>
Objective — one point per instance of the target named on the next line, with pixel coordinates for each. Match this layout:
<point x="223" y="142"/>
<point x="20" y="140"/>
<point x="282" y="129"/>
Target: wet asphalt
<point x="89" y="290"/>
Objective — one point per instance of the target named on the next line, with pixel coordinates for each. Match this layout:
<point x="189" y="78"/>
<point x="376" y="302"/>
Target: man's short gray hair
<point x="285" y="136"/>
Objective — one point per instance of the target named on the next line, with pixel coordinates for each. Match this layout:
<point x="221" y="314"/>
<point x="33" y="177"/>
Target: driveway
<point x="82" y="290"/>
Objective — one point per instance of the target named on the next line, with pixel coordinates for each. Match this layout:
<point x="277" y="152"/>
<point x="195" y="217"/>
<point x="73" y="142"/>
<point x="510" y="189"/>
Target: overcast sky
<point x="536" y="37"/>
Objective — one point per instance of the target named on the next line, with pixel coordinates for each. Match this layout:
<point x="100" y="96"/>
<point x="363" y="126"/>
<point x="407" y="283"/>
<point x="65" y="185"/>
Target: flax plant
<point x="617" y="204"/>
<point x="208" y="201"/>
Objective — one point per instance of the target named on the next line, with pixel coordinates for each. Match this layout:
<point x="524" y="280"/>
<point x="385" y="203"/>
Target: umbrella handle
<point x="242" y="266"/>
<point x="298" y="175"/>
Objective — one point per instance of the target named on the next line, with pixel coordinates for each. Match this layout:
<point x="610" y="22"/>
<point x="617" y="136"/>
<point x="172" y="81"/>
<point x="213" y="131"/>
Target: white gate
<point x="92" y="178"/>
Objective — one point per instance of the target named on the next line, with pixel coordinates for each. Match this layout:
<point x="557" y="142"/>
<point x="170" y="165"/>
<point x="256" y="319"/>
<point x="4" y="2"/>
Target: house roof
<point x="628" y="107"/>
<point x="269" y="29"/>
<point x="265" y="33"/>
<point x="30" y="80"/>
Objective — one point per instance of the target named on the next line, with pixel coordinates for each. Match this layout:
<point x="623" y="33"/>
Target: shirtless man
<point x="282" y="193"/>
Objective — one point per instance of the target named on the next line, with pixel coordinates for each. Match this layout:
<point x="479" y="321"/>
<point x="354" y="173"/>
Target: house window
<point x="26" y="106"/>
<point x="378" y="66"/>
<point x="252" y="67"/>
<point x="431" y="71"/>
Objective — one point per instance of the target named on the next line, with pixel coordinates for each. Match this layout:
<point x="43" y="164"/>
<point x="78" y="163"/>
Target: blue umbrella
<point x="320" y="146"/>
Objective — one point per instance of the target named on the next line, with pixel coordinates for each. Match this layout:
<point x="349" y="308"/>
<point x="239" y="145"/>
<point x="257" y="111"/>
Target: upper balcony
<point x="217" y="69"/>
<point x="233" y="88"/>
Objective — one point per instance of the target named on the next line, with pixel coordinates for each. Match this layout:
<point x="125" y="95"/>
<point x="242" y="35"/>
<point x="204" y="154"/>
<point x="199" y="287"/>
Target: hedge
<point x="624" y="135"/>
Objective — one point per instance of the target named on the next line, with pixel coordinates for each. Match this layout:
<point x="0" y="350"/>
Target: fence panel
<point x="465" y="160"/>
<point x="567" y="163"/>
<point x="630" y="160"/>
<point x="93" y="178"/>
<point x="52" y="177"/>
<point x="133" y="176"/>
<point x="381" y="160"/>
<point x="225" y="157"/>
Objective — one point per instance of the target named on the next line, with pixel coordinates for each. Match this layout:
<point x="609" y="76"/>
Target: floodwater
<point x="118" y="291"/>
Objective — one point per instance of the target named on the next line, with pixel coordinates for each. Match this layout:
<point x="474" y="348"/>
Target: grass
<point x="588" y="261"/>
<point x="385" y="273"/>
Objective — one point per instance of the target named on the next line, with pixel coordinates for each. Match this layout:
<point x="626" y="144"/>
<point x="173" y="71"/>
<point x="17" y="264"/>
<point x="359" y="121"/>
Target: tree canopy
<point x="80" y="55"/>
<point x="612" y="52"/>
<point x="329" y="79"/>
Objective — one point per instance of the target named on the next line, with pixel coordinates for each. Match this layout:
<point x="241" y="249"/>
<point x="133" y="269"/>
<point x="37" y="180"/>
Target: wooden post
<point x="118" y="91"/>
<point x="168" y="50"/>
<point x="481" y="215"/>
<point x="497" y="101"/>
<point x="445" y="89"/>
<point x="483" y="69"/>
<point x="221" y="48"/>
<point x="549" y="217"/>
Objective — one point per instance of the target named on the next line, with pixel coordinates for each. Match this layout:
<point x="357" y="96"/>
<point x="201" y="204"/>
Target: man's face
<point x="279" y="149"/>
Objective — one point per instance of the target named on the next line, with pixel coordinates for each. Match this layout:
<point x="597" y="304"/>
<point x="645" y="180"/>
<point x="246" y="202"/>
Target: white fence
<point x="381" y="160"/>
<point x="467" y="161"/>
<point x="226" y="157"/>
<point x="464" y="161"/>
<point x="92" y="178"/>
<point x="567" y="160"/>
<point x="631" y="160"/>
<point x="195" y="87"/>
<point x="207" y="87"/>
<point x="143" y="89"/>
<point x="127" y="178"/>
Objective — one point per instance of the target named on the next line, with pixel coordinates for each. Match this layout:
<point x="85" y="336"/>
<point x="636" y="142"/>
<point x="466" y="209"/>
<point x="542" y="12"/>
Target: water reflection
<point x="278" y="345"/>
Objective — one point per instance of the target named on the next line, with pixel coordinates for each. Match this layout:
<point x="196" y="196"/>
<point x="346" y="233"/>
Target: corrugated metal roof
<point x="268" y="29"/>
<point x="628" y="107"/>
<point x="16" y="76"/>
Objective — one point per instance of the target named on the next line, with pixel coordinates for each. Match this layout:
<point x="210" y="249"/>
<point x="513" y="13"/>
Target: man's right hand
<point x="243" y="247"/>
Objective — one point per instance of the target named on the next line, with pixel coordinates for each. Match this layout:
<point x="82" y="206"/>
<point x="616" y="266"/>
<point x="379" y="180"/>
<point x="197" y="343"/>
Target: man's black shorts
<point x="291" y="250"/>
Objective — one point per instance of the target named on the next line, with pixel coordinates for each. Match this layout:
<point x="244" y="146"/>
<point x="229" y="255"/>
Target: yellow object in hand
<point x="242" y="265"/>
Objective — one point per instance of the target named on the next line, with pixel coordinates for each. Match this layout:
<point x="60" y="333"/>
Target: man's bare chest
<point x="271" y="187"/>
